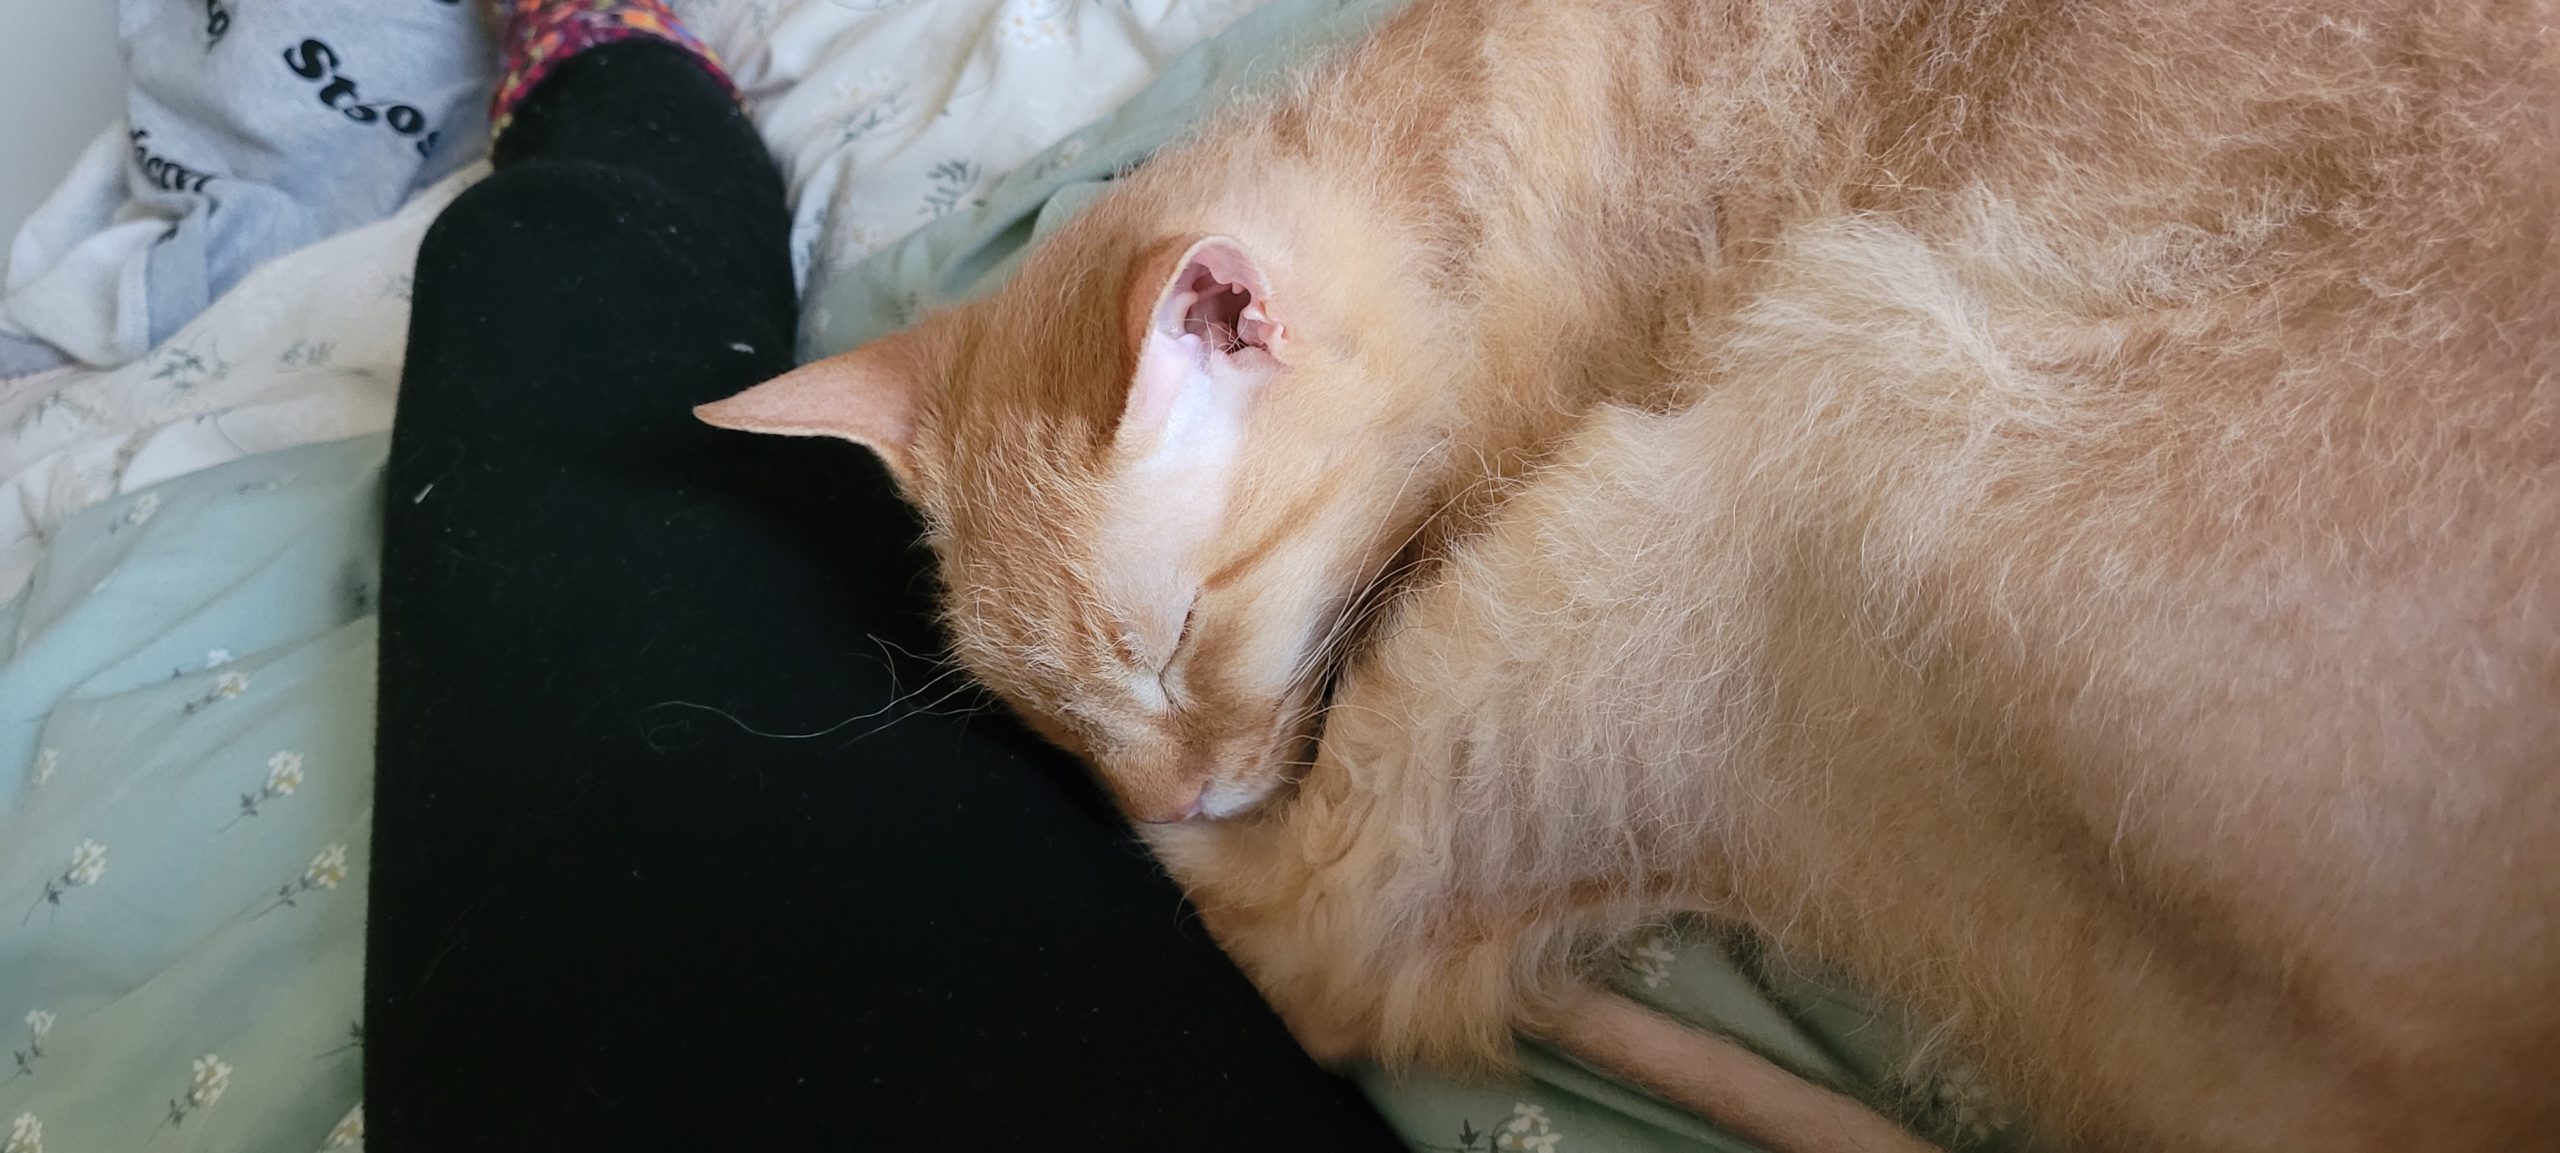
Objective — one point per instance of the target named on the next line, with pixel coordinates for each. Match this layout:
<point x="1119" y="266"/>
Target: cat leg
<point x="1721" y="1081"/>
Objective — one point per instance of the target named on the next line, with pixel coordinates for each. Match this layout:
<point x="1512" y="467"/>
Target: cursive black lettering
<point x="311" y="59"/>
<point x="315" y="60"/>
<point x="336" y="88"/>
<point x="161" y="172"/>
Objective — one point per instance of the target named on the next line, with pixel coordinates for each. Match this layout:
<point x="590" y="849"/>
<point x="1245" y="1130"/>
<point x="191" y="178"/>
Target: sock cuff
<point x="542" y="34"/>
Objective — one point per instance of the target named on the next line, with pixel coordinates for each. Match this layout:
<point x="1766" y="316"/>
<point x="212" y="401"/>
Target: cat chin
<point x="1224" y="799"/>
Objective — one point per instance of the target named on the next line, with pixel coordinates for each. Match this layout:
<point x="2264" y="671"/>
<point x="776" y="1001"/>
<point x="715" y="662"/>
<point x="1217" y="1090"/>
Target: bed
<point x="189" y="546"/>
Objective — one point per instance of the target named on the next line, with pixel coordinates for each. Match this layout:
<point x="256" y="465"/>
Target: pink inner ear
<point x="1220" y="297"/>
<point x="1207" y="324"/>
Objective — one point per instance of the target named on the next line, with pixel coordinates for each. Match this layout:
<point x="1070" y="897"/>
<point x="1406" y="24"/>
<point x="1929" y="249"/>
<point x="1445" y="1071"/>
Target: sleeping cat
<point x="2052" y="510"/>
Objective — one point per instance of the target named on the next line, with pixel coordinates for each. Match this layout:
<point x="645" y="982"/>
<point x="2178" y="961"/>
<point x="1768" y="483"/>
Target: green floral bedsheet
<point x="186" y="796"/>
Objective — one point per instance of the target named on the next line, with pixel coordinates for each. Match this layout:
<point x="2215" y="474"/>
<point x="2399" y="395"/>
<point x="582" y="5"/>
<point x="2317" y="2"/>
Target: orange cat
<point x="2050" y="509"/>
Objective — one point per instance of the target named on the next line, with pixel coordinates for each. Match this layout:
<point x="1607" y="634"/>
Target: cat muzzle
<point x="1182" y="809"/>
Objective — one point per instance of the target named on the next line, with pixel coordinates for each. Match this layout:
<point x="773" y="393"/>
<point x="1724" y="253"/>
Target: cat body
<point x="2046" y="509"/>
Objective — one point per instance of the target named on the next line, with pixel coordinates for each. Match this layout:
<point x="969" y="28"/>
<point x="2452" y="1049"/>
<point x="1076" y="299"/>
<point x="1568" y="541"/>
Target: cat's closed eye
<point x="1166" y="682"/>
<point x="1181" y="637"/>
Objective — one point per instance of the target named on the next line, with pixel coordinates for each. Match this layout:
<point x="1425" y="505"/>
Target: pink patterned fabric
<point x="540" y="34"/>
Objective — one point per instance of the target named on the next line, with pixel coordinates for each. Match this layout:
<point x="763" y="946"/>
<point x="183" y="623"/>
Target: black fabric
<point x="606" y="916"/>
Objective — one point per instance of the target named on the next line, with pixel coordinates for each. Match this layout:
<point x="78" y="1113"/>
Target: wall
<point x="61" y="83"/>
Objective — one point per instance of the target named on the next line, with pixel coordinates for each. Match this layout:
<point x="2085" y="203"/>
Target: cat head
<point x="1157" y="479"/>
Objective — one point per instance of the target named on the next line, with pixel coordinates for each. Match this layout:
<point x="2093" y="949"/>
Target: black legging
<point x="604" y="913"/>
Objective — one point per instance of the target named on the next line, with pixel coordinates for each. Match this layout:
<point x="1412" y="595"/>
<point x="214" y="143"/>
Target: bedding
<point x="188" y="544"/>
<point x="250" y="130"/>
<point x="888" y="114"/>
<point x="188" y="697"/>
<point x="305" y="349"/>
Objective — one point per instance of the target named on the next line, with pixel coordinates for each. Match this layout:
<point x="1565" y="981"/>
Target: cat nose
<point x="1183" y="811"/>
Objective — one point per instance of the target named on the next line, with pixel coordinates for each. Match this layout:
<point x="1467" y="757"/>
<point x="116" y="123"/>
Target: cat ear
<point x="1207" y="335"/>
<point x="1209" y="340"/>
<point x="868" y="396"/>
